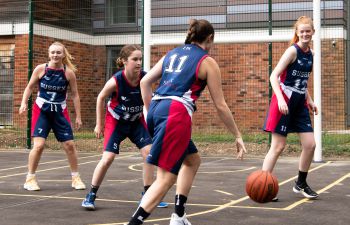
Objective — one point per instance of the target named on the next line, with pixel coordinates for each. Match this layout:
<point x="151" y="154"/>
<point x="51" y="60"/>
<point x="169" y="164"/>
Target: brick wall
<point x="244" y="69"/>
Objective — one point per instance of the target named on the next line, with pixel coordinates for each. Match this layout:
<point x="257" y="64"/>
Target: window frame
<point x="109" y="16"/>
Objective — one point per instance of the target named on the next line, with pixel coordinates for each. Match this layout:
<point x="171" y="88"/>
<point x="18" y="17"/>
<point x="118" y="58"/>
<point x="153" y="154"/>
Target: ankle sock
<point x="139" y="216"/>
<point x="180" y="201"/>
<point x="301" y="178"/>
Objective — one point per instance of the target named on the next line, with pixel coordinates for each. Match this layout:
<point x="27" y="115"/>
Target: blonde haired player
<point x="50" y="111"/>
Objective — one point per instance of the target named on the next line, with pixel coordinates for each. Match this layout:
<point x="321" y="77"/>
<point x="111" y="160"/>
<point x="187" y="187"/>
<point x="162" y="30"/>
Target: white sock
<point x="30" y="175"/>
<point x="74" y="174"/>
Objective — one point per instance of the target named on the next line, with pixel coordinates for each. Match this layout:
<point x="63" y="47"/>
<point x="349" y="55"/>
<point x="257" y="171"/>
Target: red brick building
<point x="94" y="30"/>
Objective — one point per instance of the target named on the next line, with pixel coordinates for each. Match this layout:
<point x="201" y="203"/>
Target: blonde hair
<point x="125" y="52"/>
<point x="68" y="58"/>
<point x="300" y="20"/>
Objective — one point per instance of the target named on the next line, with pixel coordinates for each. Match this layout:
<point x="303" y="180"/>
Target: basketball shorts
<point x="297" y="120"/>
<point x="117" y="130"/>
<point x="169" y="124"/>
<point x="51" y="116"/>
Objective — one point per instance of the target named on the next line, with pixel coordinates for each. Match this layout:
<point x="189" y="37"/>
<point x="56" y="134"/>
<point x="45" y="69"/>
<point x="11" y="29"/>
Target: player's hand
<point x="240" y="148"/>
<point x="78" y="123"/>
<point x="22" y="108"/>
<point x="282" y="106"/>
<point x="313" y="107"/>
<point x="98" y="131"/>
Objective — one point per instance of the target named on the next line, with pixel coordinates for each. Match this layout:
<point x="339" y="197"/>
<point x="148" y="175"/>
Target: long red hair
<point x="300" y="20"/>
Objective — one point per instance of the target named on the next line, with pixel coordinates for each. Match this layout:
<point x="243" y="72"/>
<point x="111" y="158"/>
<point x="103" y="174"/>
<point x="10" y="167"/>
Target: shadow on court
<point x="217" y="197"/>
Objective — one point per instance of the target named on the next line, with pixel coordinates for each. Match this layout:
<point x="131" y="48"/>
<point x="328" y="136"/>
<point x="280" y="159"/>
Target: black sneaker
<point x="305" y="190"/>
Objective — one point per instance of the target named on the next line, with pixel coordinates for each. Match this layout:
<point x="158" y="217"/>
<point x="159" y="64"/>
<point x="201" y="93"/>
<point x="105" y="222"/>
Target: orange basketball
<point x="261" y="186"/>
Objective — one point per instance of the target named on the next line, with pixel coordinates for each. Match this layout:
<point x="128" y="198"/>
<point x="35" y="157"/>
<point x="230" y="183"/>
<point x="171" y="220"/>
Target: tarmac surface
<point x="217" y="198"/>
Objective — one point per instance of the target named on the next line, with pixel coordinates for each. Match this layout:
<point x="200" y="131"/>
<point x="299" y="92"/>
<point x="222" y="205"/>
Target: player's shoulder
<point x="292" y="49"/>
<point x="39" y="69"/>
<point x="210" y="61"/>
<point x="41" y="66"/>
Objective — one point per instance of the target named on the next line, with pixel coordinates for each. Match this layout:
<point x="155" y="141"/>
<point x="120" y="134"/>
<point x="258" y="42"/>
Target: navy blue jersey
<point x="126" y="102"/>
<point x="295" y="77"/>
<point x="53" y="85"/>
<point x="180" y="75"/>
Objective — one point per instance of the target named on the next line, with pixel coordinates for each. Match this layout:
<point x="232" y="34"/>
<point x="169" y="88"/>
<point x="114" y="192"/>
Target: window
<point x="112" y="55"/>
<point x="6" y="83"/>
<point x="121" y="12"/>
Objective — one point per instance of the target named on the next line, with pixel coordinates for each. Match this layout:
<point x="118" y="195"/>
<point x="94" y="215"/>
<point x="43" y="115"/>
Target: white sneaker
<point x="77" y="183"/>
<point x="176" y="220"/>
<point x="31" y="184"/>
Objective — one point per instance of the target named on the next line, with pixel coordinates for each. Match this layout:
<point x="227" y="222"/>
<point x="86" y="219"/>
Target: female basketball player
<point x="124" y="118"/>
<point x="50" y="111"/>
<point x="184" y="73"/>
<point x="290" y="102"/>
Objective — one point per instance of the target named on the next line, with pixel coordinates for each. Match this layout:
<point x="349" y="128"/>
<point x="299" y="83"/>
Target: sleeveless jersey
<point x="53" y="86"/>
<point x="295" y="77"/>
<point x="126" y="102"/>
<point x="180" y="75"/>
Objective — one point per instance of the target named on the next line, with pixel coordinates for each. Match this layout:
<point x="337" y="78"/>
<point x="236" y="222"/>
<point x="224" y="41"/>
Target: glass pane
<point x="122" y="11"/>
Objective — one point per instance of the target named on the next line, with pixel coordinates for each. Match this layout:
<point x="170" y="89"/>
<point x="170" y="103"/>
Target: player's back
<point x="180" y="73"/>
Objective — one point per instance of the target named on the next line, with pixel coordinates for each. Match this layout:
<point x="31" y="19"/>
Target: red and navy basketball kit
<point x="293" y="83"/>
<point x="50" y="108"/>
<point x="169" y="118"/>
<point x="124" y="116"/>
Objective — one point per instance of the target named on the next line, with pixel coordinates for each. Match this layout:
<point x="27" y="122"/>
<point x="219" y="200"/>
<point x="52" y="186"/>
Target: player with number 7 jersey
<point x="50" y="111"/>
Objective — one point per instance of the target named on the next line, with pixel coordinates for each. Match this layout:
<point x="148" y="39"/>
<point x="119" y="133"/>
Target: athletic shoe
<point x="31" y="184"/>
<point x="275" y="199"/>
<point x="176" y="220"/>
<point x="160" y="205"/>
<point x="77" y="183"/>
<point x="89" y="201"/>
<point x="305" y="190"/>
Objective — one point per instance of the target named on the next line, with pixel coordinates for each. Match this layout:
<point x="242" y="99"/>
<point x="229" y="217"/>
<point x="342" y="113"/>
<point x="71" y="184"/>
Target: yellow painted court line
<point x="62" y="197"/>
<point x="60" y="167"/>
<point x="49" y="162"/>
<point x="316" y="168"/>
<point x="132" y="167"/>
<point x="231" y="204"/>
<point x="224" y="192"/>
<point x="124" y="181"/>
<point x="229" y="171"/>
<point x="221" y="207"/>
<point x="99" y="199"/>
<point x="319" y="191"/>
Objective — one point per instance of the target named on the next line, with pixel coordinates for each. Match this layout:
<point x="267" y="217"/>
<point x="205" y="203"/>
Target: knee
<point x="69" y="147"/>
<point x="193" y="160"/>
<point x="310" y="147"/>
<point x="145" y="151"/>
<point x="38" y="147"/>
<point x="167" y="183"/>
<point x="106" y="162"/>
<point x="278" y="148"/>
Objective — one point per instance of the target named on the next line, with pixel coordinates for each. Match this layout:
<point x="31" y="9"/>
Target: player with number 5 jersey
<point x="50" y="111"/>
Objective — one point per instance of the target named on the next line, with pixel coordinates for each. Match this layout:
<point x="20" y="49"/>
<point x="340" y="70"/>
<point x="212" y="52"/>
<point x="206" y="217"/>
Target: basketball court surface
<point x="217" y="198"/>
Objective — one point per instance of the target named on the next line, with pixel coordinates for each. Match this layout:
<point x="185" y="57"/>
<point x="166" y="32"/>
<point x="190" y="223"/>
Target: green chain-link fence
<point x="95" y="30"/>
